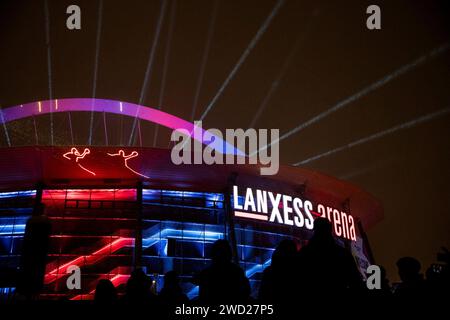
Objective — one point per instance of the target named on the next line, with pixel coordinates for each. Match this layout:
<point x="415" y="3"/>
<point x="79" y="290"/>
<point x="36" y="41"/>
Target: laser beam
<point x="5" y="128"/>
<point x="244" y="56"/>
<point x="376" y="85"/>
<point x="284" y="68"/>
<point x="149" y="64"/>
<point x="166" y="64"/>
<point x="209" y="37"/>
<point x="97" y="50"/>
<point x="49" y="62"/>
<point x="377" y="135"/>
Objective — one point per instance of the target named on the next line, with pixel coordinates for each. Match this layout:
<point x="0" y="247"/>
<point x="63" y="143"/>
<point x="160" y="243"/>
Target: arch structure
<point x="115" y="107"/>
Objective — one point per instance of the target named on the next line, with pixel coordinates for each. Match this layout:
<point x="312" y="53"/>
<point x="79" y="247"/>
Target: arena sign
<point x="278" y="208"/>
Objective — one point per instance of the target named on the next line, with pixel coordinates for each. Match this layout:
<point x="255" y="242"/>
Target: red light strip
<point x="117" y="280"/>
<point x="96" y="256"/>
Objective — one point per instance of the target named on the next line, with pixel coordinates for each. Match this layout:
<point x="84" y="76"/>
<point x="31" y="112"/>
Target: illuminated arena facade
<point x="113" y="209"/>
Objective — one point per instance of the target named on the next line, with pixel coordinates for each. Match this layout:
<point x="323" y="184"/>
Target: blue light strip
<point x="16" y="194"/>
<point x="211" y="199"/>
<point x="180" y="234"/>
<point x="12" y="229"/>
<point x="257" y="268"/>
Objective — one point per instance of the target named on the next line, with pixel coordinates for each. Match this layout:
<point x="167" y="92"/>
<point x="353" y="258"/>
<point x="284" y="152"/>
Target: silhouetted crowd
<point x="320" y="270"/>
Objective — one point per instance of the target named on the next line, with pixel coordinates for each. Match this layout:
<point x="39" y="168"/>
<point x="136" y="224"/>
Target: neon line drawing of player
<point x="133" y="154"/>
<point x="78" y="156"/>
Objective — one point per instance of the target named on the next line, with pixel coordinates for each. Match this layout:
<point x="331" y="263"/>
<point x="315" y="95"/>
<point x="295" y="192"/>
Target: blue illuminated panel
<point x="201" y="200"/>
<point x="178" y="236"/>
<point x="15" y="209"/>
<point x="178" y="230"/>
<point x="17" y="194"/>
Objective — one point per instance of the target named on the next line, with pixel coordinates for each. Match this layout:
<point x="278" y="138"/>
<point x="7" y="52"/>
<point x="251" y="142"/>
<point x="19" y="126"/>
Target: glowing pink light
<point x="316" y="214"/>
<point x="78" y="156"/>
<point x="133" y="154"/>
<point x="250" y="215"/>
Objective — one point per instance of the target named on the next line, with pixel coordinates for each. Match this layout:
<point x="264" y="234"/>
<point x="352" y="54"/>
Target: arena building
<point x="113" y="209"/>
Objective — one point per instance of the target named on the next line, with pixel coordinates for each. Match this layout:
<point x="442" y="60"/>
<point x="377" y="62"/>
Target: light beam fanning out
<point x="377" y="135"/>
<point x="244" y="56"/>
<point x="97" y="50"/>
<point x="287" y="62"/>
<point x="166" y="65"/>
<point x="49" y="63"/>
<point x="374" y="86"/>
<point x="209" y="37"/>
<point x="149" y="65"/>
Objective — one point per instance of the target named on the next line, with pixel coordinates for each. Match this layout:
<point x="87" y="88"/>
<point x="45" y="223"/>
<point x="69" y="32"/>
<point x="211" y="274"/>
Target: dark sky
<point x="337" y="56"/>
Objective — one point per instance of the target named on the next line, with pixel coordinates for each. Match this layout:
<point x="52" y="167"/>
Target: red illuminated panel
<point x="96" y="256"/>
<point x="90" y="194"/>
<point x="53" y="194"/>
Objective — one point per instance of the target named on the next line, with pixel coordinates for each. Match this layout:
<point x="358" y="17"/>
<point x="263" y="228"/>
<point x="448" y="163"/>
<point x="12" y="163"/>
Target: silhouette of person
<point x="385" y="286"/>
<point x="324" y="266"/>
<point x="171" y="294"/>
<point x="34" y="254"/>
<point x="105" y="293"/>
<point x="138" y="289"/>
<point x="276" y="284"/>
<point x="412" y="283"/>
<point x="223" y="281"/>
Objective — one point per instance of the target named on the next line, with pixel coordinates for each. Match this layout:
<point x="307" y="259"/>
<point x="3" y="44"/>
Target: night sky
<point x="320" y="52"/>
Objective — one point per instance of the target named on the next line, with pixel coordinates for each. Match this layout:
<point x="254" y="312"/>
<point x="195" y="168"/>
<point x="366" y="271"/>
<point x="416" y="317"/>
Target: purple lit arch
<point x="108" y="106"/>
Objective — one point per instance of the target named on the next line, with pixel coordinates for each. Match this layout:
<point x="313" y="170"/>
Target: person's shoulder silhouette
<point x="171" y="293"/>
<point x="324" y="265"/>
<point x="223" y="281"/>
<point x="105" y="293"/>
<point x="412" y="283"/>
<point x="277" y="281"/>
<point x="138" y="289"/>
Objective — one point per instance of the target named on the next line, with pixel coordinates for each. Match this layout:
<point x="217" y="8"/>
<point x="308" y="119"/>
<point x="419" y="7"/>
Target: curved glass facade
<point x="107" y="232"/>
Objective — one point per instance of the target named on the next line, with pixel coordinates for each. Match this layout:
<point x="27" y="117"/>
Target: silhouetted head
<point x="171" y="280"/>
<point x="322" y="226"/>
<point x="322" y="231"/>
<point x="408" y="268"/>
<point x="221" y="251"/>
<point x="105" y="292"/>
<point x="284" y="253"/>
<point x="139" y="284"/>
